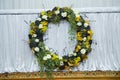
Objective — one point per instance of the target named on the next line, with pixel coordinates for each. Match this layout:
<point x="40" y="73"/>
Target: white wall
<point x="37" y="4"/>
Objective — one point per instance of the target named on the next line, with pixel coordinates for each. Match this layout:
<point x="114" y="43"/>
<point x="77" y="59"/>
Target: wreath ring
<point x="49" y="61"/>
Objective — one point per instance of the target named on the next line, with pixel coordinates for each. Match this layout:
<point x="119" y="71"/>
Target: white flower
<point x="40" y="26"/>
<point x="39" y="19"/>
<point x="86" y="24"/>
<point x="84" y="39"/>
<point x="45" y="58"/>
<point x="74" y="54"/>
<point x="34" y="35"/>
<point x="48" y="56"/>
<point x="60" y="57"/>
<point x="61" y="63"/>
<point x="77" y="15"/>
<point x="64" y="14"/>
<point x="70" y="54"/>
<point x="44" y="17"/>
<point x="36" y="49"/>
<point x="52" y="53"/>
<point x="79" y="23"/>
<point x="76" y="12"/>
<point x="36" y="40"/>
<point x="83" y="51"/>
<point x="46" y="48"/>
<point x="57" y="12"/>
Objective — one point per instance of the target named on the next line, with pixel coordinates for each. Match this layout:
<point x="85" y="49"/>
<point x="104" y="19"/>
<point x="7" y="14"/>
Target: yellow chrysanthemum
<point x="79" y="38"/>
<point x="76" y="61"/>
<point x="78" y="58"/>
<point x="86" y="21"/>
<point x="79" y="34"/>
<point x="44" y="29"/>
<point x="89" y="38"/>
<point x="43" y="13"/>
<point x="54" y="56"/>
<point x="33" y="26"/>
<point x="50" y="14"/>
<point x="90" y="32"/>
<point x="44" y="23"/>
<point x="77" y="48"/>
<point x="77" y="18"/>
<point x="32" y="32"/>
<point x="87" y="44"/>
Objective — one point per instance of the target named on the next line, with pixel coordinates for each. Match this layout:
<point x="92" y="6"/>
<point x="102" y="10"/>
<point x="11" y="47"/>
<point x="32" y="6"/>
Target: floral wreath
<point x="50" y="61"/>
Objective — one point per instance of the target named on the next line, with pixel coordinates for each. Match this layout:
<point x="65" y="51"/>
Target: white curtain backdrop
<point x="16" y="56"/>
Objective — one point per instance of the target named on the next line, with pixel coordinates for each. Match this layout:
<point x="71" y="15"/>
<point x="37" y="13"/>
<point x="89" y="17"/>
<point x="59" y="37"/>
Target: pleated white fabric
<point x="16" y="56"/>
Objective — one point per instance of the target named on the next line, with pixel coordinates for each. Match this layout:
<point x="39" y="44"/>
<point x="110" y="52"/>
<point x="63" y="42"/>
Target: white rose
<point x="36" y="40"/>
<point x="52" y="53"/>
<point x="46" y="48"/>
<point x="44" y="17"/>
<point x="86" y="24"/>
<point x="36" y="49"/>
<point x="39" y="19"/>
<point x="76" y="12"/>
<point x="70" y="54"/>
<point x="64" y="14"/>
<point x="48" y="56"/>
<point x="57" y="12"/>
<point x="83" y="51"/>
<point x="79" y="23"/>
<point x="34" y="35"/>
<point x="40" y="26"/>
<point x="77" y="15"/>
<point x="84" y="39"/>
<point x="74" y="54"/>
<point x="61" y="63"/>
<point x="45" y="58"/>
<point x="60" y="57"/>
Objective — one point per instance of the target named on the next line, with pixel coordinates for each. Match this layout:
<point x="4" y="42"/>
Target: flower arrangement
<point x="50" y="61"/>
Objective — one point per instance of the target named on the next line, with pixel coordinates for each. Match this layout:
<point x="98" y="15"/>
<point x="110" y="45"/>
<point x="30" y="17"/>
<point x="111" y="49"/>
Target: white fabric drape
<point x="16" y="56"/>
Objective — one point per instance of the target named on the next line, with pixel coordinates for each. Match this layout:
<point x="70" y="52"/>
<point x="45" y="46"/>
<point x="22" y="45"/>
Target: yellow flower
<point x="43" y="13"/>
<point x="65" y="60"/>
<point x="50" y="13"/>
<point x="90" y="32"/>
<point x="86" y="21"/>
<point x="87" y="44"/>
<point x="78" y="58"/>
<point x="77" y="18"/>
<point x="89" y="38"/>
<point x="44" y="23"/>
<point x="32" y="25"/>
<point x="76" y="61"/>
<point x="79" y="34"/>
<point x="32" y="32"/>
<point x="54" y="56"/>
<point x="79" y="38"/>
<point x="44" y="29"/>
<point x="77" y="48"/>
